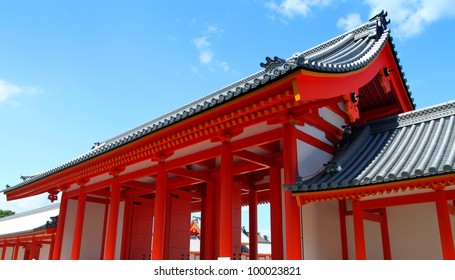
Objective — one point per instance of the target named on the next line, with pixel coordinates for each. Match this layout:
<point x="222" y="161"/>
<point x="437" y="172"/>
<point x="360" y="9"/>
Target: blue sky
<point x="77" y="72"/>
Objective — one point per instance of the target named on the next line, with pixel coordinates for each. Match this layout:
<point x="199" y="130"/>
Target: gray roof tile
<point x="410" y="145"/>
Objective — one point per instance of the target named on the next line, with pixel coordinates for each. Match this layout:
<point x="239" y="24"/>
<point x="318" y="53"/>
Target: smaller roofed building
<point x="29" y="235"/>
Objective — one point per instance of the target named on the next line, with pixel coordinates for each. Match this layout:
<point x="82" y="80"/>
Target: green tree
<point x="5" y="213"/>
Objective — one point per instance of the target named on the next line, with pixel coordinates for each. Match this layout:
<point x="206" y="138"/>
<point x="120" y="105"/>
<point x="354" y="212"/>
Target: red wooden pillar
<point x="127" y="223"/>
<point x="103" y="238"/>
<point x="113" y="220"/>
<point x="4" y="250"/>
<point x="32" y="248"/>
<point x="276" y="213"/>
<point x="16" y="249"/>
<point x="77" y="236"/>
<point x="208" y="221"/>
<point x="202" y="223"/>
<point x="359" y="232"/>
<point x="293" y="239"/>
<point x="60" y="227"/>
<point x="445" y="228"/>
<point x="343" y="230"/>
<point x="385" y="235"/>
<point x="159" y="224"/>
<point x="253" y="217"/>
<point x="51" y="247"/>
<point x="226" y="204"/>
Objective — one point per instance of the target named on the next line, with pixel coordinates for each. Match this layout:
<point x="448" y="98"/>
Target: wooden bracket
<point x="384" y="79"/>
<point x="350" y="106"/>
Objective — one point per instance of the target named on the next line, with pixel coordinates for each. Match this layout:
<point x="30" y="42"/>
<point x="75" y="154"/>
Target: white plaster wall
<point x="9" y="253"/>
<point x="44" y="252"/>
<point x="310" y="159"/>
<point x="321" y="231"/>
<point x="413" y="232"/>
<point x="68" y="230"/>
<point x="20" y="254"/>
<point x="332" y="117"/>
<point x="92" y="231"/>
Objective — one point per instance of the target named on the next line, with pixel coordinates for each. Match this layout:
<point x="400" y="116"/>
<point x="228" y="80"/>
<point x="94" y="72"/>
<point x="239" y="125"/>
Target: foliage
<point x="5" y="213"/>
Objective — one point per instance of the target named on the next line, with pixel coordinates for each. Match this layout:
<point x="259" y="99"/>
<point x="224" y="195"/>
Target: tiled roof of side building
<point x="410" y="145"/>
<point x="347" y="52"/>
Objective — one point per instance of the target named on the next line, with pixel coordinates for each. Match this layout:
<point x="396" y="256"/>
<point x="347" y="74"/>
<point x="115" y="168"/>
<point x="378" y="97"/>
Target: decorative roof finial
<point x="271" y="64"/>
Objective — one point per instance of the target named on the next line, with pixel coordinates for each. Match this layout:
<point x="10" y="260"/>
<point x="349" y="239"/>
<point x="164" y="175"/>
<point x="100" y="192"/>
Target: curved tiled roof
<point x="410" y="145"/>
<point x="347" y="52"/>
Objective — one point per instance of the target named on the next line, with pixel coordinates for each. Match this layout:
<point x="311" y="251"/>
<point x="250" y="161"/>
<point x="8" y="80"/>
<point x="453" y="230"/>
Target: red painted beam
<point x="323" y="125"/>
<point x="397" y="200"/>
<point x="381" y="112"/>
<point x="259" y="159"/>
<point x="313" y="141"/>
<point x="196" y="175"/>
<point x="373" y="217"/>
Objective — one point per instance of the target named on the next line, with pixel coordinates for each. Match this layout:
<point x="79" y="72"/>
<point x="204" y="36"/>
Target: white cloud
<point x="7" y="90"/>
<point x="349" y="22"/>
<point x="203" y="45"/>
<point x="410" y="17"/>
<point x="224" y="66"/>
<point x="213" y="29"/>
<point x="292" y="8"/>
<point x="205" y="56"/>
